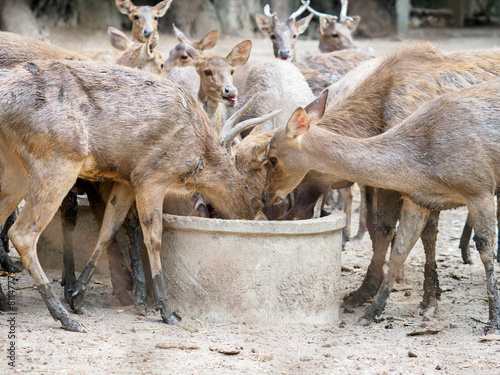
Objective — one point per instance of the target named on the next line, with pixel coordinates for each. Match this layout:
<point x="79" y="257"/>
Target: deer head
<point x="178" y="56"/>
<point x="144" y="18"/>
<point x="137" y="55"/>
<point x="285" y="168"/>
<point x="335" y="34"/>
<point x="283" y="35"/>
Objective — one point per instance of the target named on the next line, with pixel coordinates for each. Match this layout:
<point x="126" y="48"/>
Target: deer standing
<point x="388" y="91"/>
<point x="144" y="18"/>
<point x="426" y="158"/>
<point x="77" y="121"/>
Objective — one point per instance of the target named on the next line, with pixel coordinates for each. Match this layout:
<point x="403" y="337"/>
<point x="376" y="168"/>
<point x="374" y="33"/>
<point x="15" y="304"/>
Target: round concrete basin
<point x="258" y="272"/>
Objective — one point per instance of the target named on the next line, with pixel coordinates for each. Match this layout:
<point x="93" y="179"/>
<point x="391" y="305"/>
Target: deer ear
<point x="298" y="124"/>
<point x="150" y="45"/>
<point x="208" y="41"/>
<point x="302" y="24"/>
<point x="316" y="109"/>
<point x="317" y="207"/>
<point x="162" y="7"/>
<point x="324" y="23"/>
<point x="179" y="34"/>
<point x="261" y="216"/>
<point x="352" y="25"/>
<point x="118" y="39"/>
<point x="263" y="24"/>
<point x="125" y="6"/>
<point x="240" y="54"/>
<point x="194" y="54"/>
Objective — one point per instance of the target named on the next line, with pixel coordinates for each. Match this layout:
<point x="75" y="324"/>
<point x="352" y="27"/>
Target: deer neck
<point x="213" y="109"/>
<point x="383" y="161"/>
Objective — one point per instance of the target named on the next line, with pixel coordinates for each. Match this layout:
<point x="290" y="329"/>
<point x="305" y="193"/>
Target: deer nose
<point x="266" y="198"/>
<point x="284" y="53"/>
<point x="147" y="32"/>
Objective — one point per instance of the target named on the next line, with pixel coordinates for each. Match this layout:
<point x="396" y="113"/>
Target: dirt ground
<point x="120" y="341"/>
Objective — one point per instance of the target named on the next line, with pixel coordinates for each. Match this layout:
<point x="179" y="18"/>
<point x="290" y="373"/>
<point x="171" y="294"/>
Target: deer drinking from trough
<point x="144" y="18"/>
<point x="387" y="91"/>
<point x="69" y="119"/>
<point x="427" y="158"/>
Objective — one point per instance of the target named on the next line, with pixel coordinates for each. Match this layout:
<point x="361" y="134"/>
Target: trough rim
<point x="334" y="222"/>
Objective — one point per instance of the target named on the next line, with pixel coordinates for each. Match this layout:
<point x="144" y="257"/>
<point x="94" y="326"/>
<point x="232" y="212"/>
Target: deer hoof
<point x="76" y="303"/>
<point x="73" y="326"/>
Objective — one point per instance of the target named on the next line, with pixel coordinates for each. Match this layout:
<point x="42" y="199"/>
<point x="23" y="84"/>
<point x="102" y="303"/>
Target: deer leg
<point x="383" y="210"/>
<point x="362" y="213"/>
<point x="432" y="291"/>
<point x="347" y="208"/>
<point x="411" y="224"/>
<point x="42" y="201"/>
<point x="498" y="228"/>
<point x="482" y="211"/>
<point x="4" y="301"/>
<point x="5" y="260"/>
<point x="150" y="207"/>
<point x="69" y="211"/>
<point x="119" y="203"/>
<point x="464" y="241"/>
<point x="133" y="229"/>
<point x="120" y="276"/>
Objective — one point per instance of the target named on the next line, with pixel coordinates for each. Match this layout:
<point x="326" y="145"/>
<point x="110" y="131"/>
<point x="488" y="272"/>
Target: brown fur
<point x="63" y="119"/>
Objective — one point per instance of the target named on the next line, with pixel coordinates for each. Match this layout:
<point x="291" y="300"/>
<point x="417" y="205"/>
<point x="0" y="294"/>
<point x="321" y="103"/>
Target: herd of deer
<point x="419" y="129"/>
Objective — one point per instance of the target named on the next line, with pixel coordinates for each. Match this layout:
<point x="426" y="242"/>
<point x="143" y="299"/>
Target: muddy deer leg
<point x="4" y="301"/>
<point x="150" y="208"/>
<point x="69" y="212"/>
<point x="482" y="212"/>
<point x="41" y="203"/>
<point x="119" y="203"/>
<point x="432" y="291"/>
<point x="6" y="263"/>
<point x="362" y="213"/>
<point x="383" y="210"/>
<point x="133" y="229"/>
<point x="120" y="276"/>
<point x="464" y="241"/>
<point x="411" y="224"/>
<point x="498" y="228"/>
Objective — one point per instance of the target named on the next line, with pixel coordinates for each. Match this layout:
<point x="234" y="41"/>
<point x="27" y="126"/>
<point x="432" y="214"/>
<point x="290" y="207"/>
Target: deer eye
<point x="155" y="18"/>
<point x="136" y="17"/>
<point x="274" y="161"/>
<point x="162" y="65"/>
<point x="272" y="36"/>
<point x="232" y="71"/>
<point x="208" y="73"/>
<point x="184" y="57"/>
<point x="294" y="36"/>
<point x="335" y="35"/>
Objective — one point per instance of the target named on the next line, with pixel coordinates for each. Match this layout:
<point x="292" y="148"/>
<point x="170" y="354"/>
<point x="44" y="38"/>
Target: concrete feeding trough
<point x="256" y="272"/>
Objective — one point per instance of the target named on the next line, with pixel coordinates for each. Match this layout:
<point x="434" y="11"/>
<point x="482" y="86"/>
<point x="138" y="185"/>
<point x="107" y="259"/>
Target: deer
<point x="283" y="35"/>
<point x="387" y="91"/>
<point x="335" y="34"/>
<point x="16" y="49"/>
<point x="144" y="18"/>
<point x="426" y="158"/>
<point x="81" y="112"/>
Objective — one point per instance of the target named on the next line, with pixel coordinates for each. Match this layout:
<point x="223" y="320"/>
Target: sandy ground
<point x="121" y="341"/>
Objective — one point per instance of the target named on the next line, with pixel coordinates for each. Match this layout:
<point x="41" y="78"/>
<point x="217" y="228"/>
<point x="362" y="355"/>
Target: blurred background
<point x="236" y="17"/>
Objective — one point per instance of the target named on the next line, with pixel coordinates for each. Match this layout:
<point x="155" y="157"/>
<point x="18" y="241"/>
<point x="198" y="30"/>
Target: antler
<point x="343" y="11"/>
<point x="303" y="7"/>
<point x="267" y="11"/>
<point x="228" y="132"/>
<point x="318" y="14"/>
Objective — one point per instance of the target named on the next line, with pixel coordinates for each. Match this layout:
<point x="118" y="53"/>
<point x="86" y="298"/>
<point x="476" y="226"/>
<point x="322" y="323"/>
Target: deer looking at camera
<point x="144" y="18"/>
<point x="81" y="112"/>
<point x="434" y="141"/>
<point x="335" y="34"/>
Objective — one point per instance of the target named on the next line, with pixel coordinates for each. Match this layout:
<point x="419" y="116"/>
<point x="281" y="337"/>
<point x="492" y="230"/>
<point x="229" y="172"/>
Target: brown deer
<point x="144" y="18"/>
<point x="425" y="158"/>
<point x="388" y="91"/>
<point x="75" y="120"/>
<point x="283" y="35"/>
<point x="216" y="80"/>
<point x="335" y="35"/>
